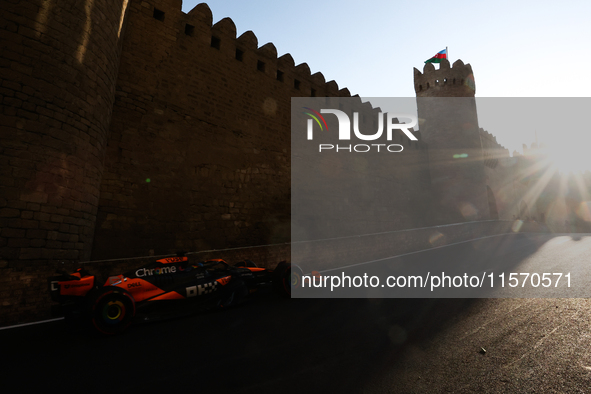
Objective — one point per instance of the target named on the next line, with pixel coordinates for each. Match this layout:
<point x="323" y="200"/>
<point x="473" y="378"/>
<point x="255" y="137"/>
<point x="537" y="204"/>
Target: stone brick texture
<point x="58" y="66"/>
<point x="198" y="156"/>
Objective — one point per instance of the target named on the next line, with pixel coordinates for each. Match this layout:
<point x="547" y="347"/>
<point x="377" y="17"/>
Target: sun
<point x="569" y="159"/>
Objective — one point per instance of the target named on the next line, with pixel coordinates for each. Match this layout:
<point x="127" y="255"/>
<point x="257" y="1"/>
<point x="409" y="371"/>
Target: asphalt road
<point x="274" y="345"/>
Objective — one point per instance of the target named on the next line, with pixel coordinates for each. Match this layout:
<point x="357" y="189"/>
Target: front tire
<point x="111" y="310"/>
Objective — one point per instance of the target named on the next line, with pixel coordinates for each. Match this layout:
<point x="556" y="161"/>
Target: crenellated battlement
<point x="455" y="81"/>
<point x="192" y="30"/>
<point x="490" y="140"/>
<point x="192" y="34"/>
<point x="492" y="150"/>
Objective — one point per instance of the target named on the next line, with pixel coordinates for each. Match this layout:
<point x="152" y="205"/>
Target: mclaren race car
<point x="168" y="285"/>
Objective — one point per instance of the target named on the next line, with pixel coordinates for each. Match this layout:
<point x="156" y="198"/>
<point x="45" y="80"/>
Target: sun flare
<point x="569" y="160"/>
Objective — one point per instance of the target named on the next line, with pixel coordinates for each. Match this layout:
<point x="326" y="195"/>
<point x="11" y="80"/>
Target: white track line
<point x="415" y="252"/>
<point x="30" y="324"/>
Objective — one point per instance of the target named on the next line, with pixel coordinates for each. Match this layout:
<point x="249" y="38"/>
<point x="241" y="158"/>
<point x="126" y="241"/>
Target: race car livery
<point x="110" y="306"/>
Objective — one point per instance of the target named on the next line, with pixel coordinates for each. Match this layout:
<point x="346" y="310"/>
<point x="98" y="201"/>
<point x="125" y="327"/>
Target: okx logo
<point x="344" y="130"/>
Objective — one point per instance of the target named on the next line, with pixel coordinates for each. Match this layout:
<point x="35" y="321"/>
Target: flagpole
<point x="447" y="53"/>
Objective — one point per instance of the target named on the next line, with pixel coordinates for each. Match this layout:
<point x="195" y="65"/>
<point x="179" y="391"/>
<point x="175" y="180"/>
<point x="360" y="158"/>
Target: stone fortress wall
<point x="136" y="129"/>
<point x="205" y="116"/>
<point x="472" y="175"/>
<point x="59" y="62"/>
<point x="355" y="187"/>
<point x="449" y="125"/>
<point x="59" y="67"/>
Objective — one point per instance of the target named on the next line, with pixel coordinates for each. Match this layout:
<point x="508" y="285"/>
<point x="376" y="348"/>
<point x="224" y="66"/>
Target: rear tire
<point x="289" y="277"/>
<point x="111" y="310"/>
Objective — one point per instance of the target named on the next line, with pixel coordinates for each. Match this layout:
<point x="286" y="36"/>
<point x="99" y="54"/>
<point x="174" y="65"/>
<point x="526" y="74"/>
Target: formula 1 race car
<point x="172" y="283"/>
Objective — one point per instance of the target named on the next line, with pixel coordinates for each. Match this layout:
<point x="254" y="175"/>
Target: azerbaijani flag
<point x="437" y="58"/>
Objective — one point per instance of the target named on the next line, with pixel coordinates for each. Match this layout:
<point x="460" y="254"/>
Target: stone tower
<point x="449" y="125"/>
<point x="59" y="66"/>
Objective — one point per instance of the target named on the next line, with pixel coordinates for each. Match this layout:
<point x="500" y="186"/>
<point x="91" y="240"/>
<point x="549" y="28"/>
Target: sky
<point x="516" y="48"/>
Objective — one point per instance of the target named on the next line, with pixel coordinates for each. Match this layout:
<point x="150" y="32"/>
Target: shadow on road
<point x="268" y="345"/>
